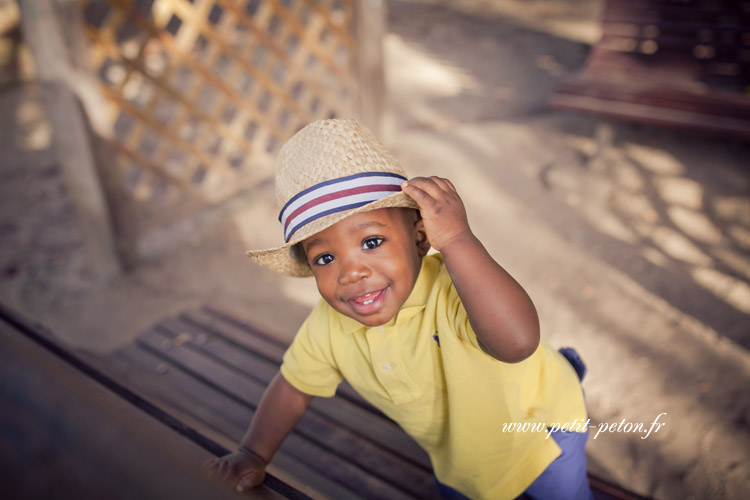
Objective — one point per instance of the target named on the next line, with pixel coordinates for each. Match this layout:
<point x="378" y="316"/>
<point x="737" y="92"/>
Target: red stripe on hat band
<point x="340" y="194"/>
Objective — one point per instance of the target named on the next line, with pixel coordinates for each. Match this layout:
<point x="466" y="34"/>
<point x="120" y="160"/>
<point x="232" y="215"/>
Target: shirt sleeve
<point x="308" y="364"/>
<point x="456" y="315"/>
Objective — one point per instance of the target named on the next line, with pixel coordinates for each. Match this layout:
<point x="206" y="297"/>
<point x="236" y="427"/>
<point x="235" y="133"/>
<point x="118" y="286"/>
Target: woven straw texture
<point x="322" y="151"/>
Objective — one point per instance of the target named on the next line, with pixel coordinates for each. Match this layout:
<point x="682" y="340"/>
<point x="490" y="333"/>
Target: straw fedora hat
<point x="327" y="171"/>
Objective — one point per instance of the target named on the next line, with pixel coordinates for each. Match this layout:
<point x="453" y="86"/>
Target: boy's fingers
<point x="213" y="467"/>
<point x="418" y="194"/>
<point x="444" y="184"/>
<point x="225" y="470"/>
<point x="438" y="188"/>
<point x="450" y="185"/>
<point x="428" y="185"/>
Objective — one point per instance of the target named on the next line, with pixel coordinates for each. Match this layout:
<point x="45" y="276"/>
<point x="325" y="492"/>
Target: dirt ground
<point x="634" y="242"/>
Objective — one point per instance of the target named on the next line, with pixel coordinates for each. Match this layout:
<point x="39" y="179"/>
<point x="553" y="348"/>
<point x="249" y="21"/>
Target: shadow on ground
<point x="668" y="209"/>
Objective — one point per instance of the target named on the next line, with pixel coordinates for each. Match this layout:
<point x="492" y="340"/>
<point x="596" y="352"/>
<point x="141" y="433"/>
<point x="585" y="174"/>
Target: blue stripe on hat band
<point x="334" y="181"/>
<point x="323" y="214"/>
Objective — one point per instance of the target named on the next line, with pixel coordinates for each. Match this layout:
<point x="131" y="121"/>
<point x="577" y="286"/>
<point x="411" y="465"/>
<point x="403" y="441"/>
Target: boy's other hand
<point x="442" y="210"/>
<point x="243" y="468"/>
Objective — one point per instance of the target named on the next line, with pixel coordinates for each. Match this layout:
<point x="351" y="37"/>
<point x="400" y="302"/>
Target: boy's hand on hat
<point x="442" y="209"/>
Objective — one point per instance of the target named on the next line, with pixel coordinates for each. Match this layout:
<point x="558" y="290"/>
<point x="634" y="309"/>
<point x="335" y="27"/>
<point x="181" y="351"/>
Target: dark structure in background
<point x="677" y="63"/>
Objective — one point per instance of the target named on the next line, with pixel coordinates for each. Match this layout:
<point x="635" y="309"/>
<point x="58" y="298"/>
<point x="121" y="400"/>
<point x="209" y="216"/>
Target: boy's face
<point x="366" y="265"/>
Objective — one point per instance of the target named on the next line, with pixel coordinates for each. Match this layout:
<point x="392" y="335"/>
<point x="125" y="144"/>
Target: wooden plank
<point x="239" y="331"/>
<point x="316" y="427"/>
<point x="668" y="6"/>
<point x="374" y="426"/>
<point x="163" y="382"/>
<point x="370" y="26"/>
<point x="249" y="337"/>
<point x="312" y="426"/>
<point x="244" y="335"/>
<point x="248" y="392"/>
<point x="42" y="32"/>
<point x="216" y="414"/>
<point x="620" y="89"/>
<point x="653" y="115"/>
<point x="58" y="430"/>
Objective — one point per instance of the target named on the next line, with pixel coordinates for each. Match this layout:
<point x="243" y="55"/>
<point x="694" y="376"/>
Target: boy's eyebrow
<point x="367" y="225"/>
<point x="311" y="243"/>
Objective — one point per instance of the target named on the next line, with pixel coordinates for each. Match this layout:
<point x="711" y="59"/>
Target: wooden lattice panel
<point x="202" y="93"/>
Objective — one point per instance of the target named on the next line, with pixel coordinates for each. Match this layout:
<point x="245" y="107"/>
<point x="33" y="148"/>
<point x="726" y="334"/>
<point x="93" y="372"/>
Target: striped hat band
<point x="336" y="195"/>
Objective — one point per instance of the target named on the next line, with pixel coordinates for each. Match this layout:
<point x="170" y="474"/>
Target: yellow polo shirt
<point x="424" y="369"/>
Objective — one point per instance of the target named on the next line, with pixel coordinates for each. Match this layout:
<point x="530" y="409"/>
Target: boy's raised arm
<point x="279" y="410"/>
<point x="501" y="313"/>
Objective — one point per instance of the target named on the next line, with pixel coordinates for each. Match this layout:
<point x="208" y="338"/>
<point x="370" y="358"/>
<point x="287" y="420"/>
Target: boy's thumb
<point x="243" y="485"/>
<point x="249" y="481"/>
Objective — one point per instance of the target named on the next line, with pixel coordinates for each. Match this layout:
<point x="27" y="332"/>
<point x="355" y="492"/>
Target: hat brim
<point x="281" y="260"/>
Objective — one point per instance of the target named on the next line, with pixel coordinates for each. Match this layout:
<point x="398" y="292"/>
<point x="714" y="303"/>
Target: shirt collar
<point x="414" y="304"/>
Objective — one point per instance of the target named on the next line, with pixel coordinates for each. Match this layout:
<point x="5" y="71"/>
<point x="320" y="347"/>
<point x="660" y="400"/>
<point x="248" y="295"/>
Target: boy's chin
<point x="373" y="323"/>
<point x="369" y="321"/>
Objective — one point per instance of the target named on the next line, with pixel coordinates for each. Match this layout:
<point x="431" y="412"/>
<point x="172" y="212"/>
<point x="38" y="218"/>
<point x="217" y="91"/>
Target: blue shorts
<point x="564" y="479"/>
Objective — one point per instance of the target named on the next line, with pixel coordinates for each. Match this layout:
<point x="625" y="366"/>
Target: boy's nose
<point x="352" y="271"/>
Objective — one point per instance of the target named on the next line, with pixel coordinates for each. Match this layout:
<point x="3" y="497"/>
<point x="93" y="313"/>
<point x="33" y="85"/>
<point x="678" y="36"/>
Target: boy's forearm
<point x="280" y="408"/>
<point x="501" y="313"/>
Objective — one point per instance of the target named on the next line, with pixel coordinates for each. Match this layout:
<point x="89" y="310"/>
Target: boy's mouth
<point x="369" y="302"/>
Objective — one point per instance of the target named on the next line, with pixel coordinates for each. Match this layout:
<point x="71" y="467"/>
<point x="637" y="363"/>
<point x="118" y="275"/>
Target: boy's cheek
<point x="325" y="292"/>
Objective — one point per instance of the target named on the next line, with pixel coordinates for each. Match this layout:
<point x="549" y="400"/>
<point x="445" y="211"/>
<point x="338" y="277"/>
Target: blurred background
<point x="601" y="148"/>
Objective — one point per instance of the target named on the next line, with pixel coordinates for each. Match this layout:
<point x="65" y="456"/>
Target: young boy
<point x="446" y="345"/>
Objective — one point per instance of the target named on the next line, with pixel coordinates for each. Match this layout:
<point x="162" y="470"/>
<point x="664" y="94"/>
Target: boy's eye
<point x="371" y="243"/>
<point x="324" y="259"/>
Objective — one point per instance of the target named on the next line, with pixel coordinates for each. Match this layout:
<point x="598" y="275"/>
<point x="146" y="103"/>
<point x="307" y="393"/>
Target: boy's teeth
<point x="364" y="298"/>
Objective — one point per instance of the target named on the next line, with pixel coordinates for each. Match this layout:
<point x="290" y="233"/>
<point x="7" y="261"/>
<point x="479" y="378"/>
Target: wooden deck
<point x="68" y="431"/>
<point x="185" y="390"/>
<point x="210" y="369"/>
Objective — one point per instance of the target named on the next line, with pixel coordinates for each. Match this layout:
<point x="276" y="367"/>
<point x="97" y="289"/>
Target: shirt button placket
<point x="381" y="351"/>
<point x="387" y="367"/>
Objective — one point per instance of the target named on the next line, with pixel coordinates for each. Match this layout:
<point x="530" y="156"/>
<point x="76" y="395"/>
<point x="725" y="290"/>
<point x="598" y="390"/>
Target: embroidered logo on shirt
<point x="436" y="338"/>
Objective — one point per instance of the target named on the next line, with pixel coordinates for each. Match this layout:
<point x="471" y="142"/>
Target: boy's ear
<point x="423" y="244"/>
